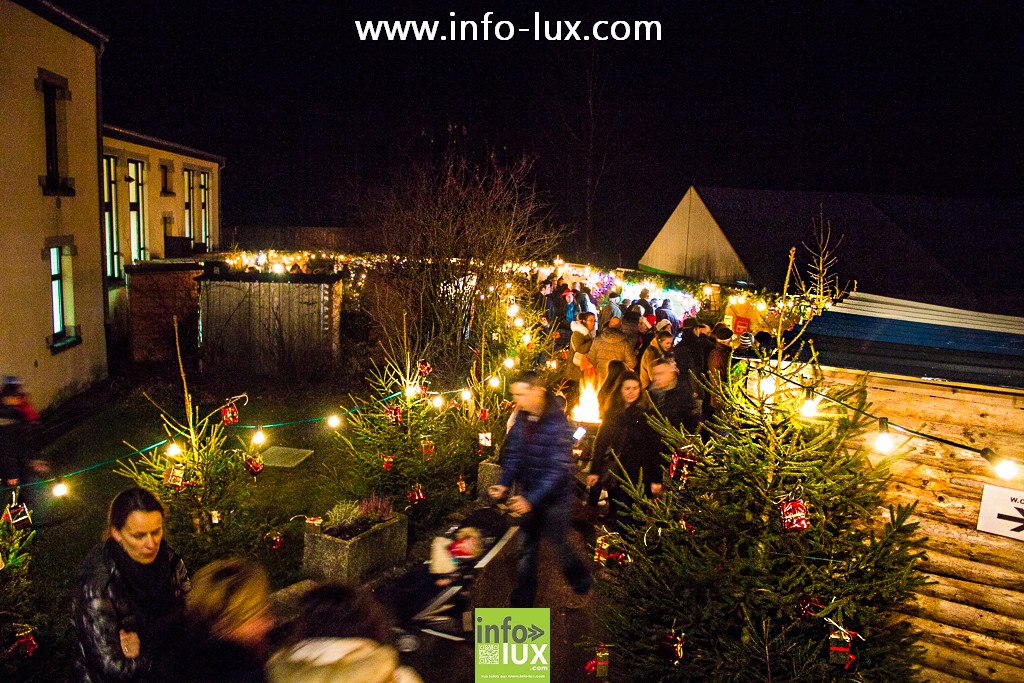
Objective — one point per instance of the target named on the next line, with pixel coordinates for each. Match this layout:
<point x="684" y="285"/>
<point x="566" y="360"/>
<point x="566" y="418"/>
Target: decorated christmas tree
<point x="769" y="555"/>
<point x="16" y="638"/>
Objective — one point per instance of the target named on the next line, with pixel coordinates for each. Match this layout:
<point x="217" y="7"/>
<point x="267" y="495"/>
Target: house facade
<point x="52" y="332"/>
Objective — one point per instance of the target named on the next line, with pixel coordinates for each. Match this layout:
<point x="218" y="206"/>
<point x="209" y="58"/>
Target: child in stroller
<point x="435" y="598"/>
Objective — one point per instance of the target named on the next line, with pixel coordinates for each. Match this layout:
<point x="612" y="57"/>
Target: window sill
<point x="57" y="187"/>
<point x="63" y="344"/>
<point x="167" y="193"/>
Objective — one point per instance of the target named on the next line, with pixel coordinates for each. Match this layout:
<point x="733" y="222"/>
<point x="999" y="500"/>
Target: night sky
<point x="901" y="98"/>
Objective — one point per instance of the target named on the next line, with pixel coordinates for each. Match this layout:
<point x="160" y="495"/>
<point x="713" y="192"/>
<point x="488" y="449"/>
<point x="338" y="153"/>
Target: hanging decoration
<point x="174" y="475"/>
<point x="671" y="646"/>
<point x="425" y="367"/>
<point x="314" y="525"/>
<point x="793" y="513"/>
<point x="274" y="540"/>
<point x="214" y="517"/>
<point x="686" y="526"/>
<point x="506" y="405"/>
<point x="809" y="605"/>
<point x="484" y="438"/>
<point x="682" y="464"/>
<point x="393" y="414"/>
<point x="840" y="645"/>
<point x="17" y="513"/>
<point x="386" y="461"/>
<point x="416" y="494"/>
<point x="426" y="446"/>
<point x="598" y="666"/>
<point x="254" y="463"/>
<point x="608" y="550"/>
<point x="461" y="484"/>
<point x="229" y="414"/>
<point x="24" y="641"/>
<point x="483" y="414"/>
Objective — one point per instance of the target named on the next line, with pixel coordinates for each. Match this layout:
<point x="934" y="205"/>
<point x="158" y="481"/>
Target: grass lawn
<point x="68" y="527"/>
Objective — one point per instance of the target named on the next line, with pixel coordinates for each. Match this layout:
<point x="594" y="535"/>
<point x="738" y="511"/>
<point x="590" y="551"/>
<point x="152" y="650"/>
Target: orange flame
<point x="588" y="409"/>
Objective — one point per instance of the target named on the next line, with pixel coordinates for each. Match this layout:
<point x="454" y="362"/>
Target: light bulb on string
<point x="437" y="401"/>
<point x="518" y="322"/>
<point x="509" y="363"/>
<point x="412" y="390"/>
<point x="60" y="489"/>
<point x="761" y="306"/>
<point x="513" y="310"/>
<point x="809" y="408"/>
<point x="173" y="450"/>
<point x="333" y="421"/>
<point x="259" y="438"/>
<point x="466" y="395"/>
<point x="884" y="442"/>
<point x="494" y="382"/>
<point x="1007" y="469"/>
<point x="527" y="338"/>
<point x="766" y="386"/>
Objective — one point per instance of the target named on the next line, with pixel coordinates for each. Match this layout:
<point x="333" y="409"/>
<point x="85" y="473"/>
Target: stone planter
<point x="487" y="474"/>
<point x="353" y="560"/>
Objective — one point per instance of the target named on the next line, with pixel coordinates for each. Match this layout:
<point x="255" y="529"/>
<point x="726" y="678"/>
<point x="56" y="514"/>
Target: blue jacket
<point x="540" y="462"/>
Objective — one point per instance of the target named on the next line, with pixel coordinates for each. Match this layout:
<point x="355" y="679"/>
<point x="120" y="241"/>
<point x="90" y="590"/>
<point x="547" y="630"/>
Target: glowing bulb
<point x="708" y="290"/>
<point x="259" y="437"/>
<point x="437" y="401"/>
<point x="508" y="285"/>
<point x="491" y="288"/>
<point x="733" y="299"/>
<point x="277" y="268"/>
<point x="518" y="322"/>
<point x="494" y="382"/>
<point x="61" y="489"/>
<point x="766" y="386"/>
<point x="809" y="408"/>
<point x="466" y="395"/>
<point x="527" y="338"/>
<point x="412" y="390"/>
<point x="1007" y="469"/>
<point x="509" y="363"/>
<point x="762" y="306"/>
<point x="742" y="299"/>
<point x="513" y="310"/>
<point x="173" y="450"/>
<point x="884" y="442"/>
<point x="333" y="421"/>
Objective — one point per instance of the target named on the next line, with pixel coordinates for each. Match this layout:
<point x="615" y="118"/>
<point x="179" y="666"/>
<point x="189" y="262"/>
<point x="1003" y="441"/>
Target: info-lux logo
<point x="512" y="644"/>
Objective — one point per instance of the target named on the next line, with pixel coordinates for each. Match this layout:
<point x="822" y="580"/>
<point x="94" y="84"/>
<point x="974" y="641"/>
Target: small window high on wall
<point x="58" y="254"/>
<point x="55" y="96"/>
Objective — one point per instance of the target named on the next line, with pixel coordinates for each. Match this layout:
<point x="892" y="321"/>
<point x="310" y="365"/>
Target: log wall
<point x="972" y="614"/>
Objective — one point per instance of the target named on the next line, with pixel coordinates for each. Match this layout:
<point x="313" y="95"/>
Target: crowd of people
<point x="138" y="616"/>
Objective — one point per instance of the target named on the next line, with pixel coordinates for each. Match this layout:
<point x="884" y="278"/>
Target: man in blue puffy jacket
<point x="537" y="454"/>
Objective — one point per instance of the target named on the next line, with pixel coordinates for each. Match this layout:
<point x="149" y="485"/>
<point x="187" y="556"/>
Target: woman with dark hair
<point x="128" y="589"/>
<point x="625" y="434"/>
<point x="608" y="396"/>
<point x="338" y="637"/>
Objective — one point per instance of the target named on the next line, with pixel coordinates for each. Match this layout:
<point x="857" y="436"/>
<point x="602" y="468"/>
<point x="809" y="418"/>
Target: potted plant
<point x="357" y="538"/>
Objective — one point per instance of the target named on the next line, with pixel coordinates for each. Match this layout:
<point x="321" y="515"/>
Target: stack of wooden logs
<point x="972" y="612"/>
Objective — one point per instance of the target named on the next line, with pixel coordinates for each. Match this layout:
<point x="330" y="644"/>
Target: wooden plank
<point x="969" y="667"/>
<point x="957" y="567"/>
<point x="958" y="638"/>
<point x="1008" y="603"/>
<point x="971" y="544"/>
<point x="968" y="618"/>
<point x="929" y="675"/>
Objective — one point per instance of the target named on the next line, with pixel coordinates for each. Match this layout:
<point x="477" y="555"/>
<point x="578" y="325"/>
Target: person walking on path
<point x="537" y="455"/>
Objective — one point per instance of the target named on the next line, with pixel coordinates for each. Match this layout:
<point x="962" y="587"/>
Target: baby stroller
<point x="440" y="605"/>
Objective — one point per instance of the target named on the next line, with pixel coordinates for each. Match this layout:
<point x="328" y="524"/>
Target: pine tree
<point x="724" y="582"/>
<point x="14" y="593"/>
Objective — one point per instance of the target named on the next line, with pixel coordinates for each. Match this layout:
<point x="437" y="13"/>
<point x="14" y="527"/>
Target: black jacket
<point x="635" y="443"/>
<point x="680" y="405"/>
<point x="103" y="604"/>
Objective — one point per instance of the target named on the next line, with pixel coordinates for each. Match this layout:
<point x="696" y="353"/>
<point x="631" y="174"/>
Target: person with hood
<point x="130" y="588"/>
<point x="17" y="420"/>
<point x="578" y="365"/>
<point x="609" y="308"/>
<point x="660" y="347"/>
<point x="537" y="454"/>
<point x="611" y="344"/>
<point x="566" y="310"/>
<point x="665" y="312"/>
<point x="339" y="636"/>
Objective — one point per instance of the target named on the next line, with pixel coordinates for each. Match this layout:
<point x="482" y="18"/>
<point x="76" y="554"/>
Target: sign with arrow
<point x="1002" y="512"/>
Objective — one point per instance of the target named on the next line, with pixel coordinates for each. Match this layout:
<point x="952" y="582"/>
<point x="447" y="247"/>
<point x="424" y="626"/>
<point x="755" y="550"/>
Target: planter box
<point x="487" y="475"/>
<point x="382" y="547"/>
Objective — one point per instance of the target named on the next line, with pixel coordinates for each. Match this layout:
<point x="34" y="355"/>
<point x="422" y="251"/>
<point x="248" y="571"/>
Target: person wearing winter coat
<point x="609" y="309"/>
<point x="665" y="312"/>
<point x="537" y="454"/>
<point x="578" y="365"/>
<point x="129" y="589"/>
<point x="611" y="344"/>
<point x="661" y="347"/>
<point x="18" y="419"/>
<point x="719" y="364"/>
<point x="339" y="636"/>
<point x="626" y="434"/>
<point x="674" y="396"/>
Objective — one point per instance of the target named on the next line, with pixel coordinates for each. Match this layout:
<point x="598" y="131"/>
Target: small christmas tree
<point x="16" y="639"/>
<point x="765" y="557"/>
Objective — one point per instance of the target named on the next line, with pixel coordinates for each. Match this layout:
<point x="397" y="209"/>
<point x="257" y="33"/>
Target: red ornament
<point x="506" y="405"/>
<point x="416" y="494"/>
<point x="598" y="666"/>
<point x="174" y="475"/>
<point x="794" y="514"/>
<point x="544" y="321"/>
<point x="24" y="642"/>
<point x="606" y="550"/>
<point x="686" y="526"/>
<point x="461" y="483"/>
<point x="387" y="461"/>
<point x="274" y="540"/>
<point x="427" y="447"/>
<point x="254" y="464"/>
<point x="840" y="644"/>
<point x="810" y="605"/>
<point x="425" y="367"/>
<point x="229" y="414"/>
<point x="564" y="354"/>
<point x="394" y="414"/>
<point x="483" y="414"/>
<point x="671" y="646"/>
<point x="18" y="515"/>
<point x="681" y="464"/>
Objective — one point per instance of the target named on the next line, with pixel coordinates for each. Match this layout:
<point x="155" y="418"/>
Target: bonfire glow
<point x="588" y="409"/>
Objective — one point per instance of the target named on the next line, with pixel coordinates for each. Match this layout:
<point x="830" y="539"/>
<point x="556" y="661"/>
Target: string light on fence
<point x="333" y="421"/>
<point x="259" y="438"/>
<point x="884" y="442"/>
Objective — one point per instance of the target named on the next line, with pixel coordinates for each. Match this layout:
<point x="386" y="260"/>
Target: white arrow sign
<point x="1002" y="512"/>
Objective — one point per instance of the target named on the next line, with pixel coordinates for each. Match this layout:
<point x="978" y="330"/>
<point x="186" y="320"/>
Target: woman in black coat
<point x="626" y="434"/>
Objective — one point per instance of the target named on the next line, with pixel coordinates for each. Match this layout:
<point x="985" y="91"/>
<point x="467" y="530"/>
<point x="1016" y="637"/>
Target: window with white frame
<point x="111" y="237"/>
<point x="204" y="207"/>
<point x="137" y="208"/>
<point x="189" y="189"/>
<point x="58" y="254"/>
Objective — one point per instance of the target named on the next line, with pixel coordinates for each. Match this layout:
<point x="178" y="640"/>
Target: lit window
<point x="59" y="253"/>
<point x="204" y="207"/>
<point x="137" y="208"/>
<point x="55" y="94"/>
<point x="111" y="238"/>
<point x="189" y="195"/>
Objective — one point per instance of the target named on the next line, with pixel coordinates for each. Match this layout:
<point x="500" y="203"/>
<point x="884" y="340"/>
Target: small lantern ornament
<point x="598" y="666"/>
<point x="214" y="517"/>
<point x="671" y="646"/>
<point x="840" y="646"/>
<point x="426" y="446"/>
<point x="229" y="414"/>
<point x="682" y="464"/>
<point x="174" y="475"/>
<point x="314" y="525"/>
<point x="24" y="641"/>
<point x="793" y="513"/>
<point x="17" y="513"/>
<point x="425" y="367"/>
<point x="483" y="414"/>
<point x="461" y="484"/>
<point x="387" y="461"/>
<point x="393" y="414"/>
<point x="416" y="494"/>
<point x="608" y="550"/>
<point x="274" y="540"/>
<point x="254" y="464"/>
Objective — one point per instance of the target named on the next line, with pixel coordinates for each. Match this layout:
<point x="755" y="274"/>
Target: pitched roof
<point x="761" y="225"/>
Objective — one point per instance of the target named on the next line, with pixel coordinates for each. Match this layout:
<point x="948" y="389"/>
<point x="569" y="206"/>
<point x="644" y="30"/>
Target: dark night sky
<point x="896" y="98"/>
